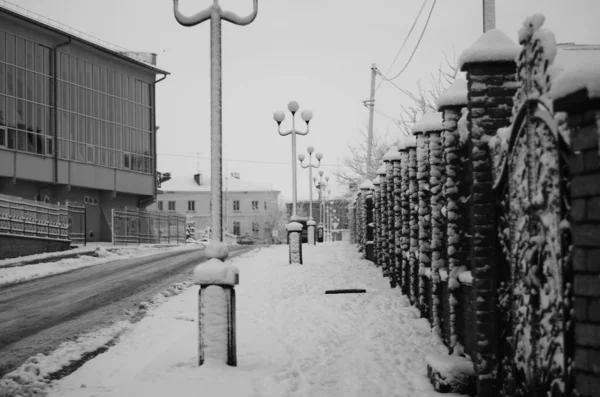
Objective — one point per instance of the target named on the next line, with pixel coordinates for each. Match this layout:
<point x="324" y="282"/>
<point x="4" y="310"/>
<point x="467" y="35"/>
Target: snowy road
<point x="37" y="316"/>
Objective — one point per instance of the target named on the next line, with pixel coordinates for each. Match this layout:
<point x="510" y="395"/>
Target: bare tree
<point x="421" y="101"/>
<point x="274" y="219"/>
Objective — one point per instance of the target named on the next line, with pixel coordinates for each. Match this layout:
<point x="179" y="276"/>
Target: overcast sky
<point x="317" y="52"/>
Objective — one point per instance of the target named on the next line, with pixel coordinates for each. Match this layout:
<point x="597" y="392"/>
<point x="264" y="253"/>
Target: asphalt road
<point x="39" y="315"/>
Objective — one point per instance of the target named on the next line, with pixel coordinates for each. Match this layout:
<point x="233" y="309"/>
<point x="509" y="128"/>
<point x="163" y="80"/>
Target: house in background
<point x="248" y="208"/>
<point x="77" y="118"/>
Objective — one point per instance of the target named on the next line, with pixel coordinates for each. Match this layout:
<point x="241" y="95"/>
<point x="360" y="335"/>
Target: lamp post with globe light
<point x="310" y="166"/>
<point x="321" y="185"/>
<point x="279" y="116"/>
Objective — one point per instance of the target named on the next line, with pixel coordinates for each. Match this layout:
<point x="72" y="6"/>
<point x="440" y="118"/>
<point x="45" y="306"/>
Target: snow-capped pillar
<point x="413" y="200"/>
<point x="397" y="225"/>
<point x="216" y="306"/>
<point x="404" y="219"/>
<point x="311" y="232"/>
<point x="576" y="95"/>
<point x="376" y="221"/>
<point x="294" y="231"/>
<point x="383" y="221"/>
<point x="367" y="190"/>
<point x="491" y="82"/>
<point x="451" y="103"/>
<point x="360" y="222"/>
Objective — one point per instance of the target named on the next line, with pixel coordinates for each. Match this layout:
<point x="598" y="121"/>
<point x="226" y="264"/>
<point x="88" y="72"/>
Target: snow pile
<point x="492" y="46"/>
<point x="451" y="372"/>
<point x="366" y="185"/>
<point x="532" y="30"/>
<point x="431" y="121"/>
<point x="44" y="257"/>
<point x="381" y="170"/>
<point x="392" y="154"/>
<point x="581" y="77"/>
<point x="455" y="95"/>
<point x="463" y="127"/>
<point x="214" y="271"/>
<point x="292" y="338"/>
<point x="293" y="227"/>
<point x="18" y="274"/>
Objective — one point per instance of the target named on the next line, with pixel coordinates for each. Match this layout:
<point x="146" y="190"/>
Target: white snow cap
<point x="431" y="121"/>
<point x="381" y="170"/>
<point x="410" y="141"/>
<point x="492" y="46"/>
<point x="366" y="184"/>
<point x="213" y="271"/>
<point x="377" y="181"/>
<point x="216" y="249"/>
<point x="293" y="227"/>
<point x="455" y="95"/>
<point x="392" y="154"/>
<point x="585" y="76"/>
<point x="311" y="223"/>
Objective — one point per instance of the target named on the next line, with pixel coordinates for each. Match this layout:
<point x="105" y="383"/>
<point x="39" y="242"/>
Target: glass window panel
<point x="21" y="141"/>
<point x="46" y="90"/>
<point x="30" y="86"/>
<point x="111" y="158"/>
<point x="64" y="66"/>
<point x="96" y="79"/>
<point x="20" y="57"/>
<point x="73" y="69"/>
<point x="103" y="79"/>
<point x="75" y="98"/>
<point x="102" y="134"/>
<point x="125" y="87"/>
<point x="30" y="55"/>
<point x="88" y="74"/>
<point x="2" y="110"/>
<point x="81" y="132"/>
<point x="11" y="114"/>
<point x="46" y="120"/>
<point x="103" y="106"/>
<point x="10" y="48"/>
<point x="138" y="91"/>
<point x="30" y="121"/>
<point x="20" y="114"/>
<point x="39" y="118"/>
<point x="131" y="89"/>
<point x="111" y="82"/>
<point x="39" y="91"/>
<point x="64" y="131"/>
<point x="2" y="46"/>
<point x="12" y="139"/>
<point x="74" y="127"/>
<point x="118" y="84"/>
<point x="47" y="61"/>
<point x="39" y="58"/>
<point x="31" y="142"/>
<point x="80" y="152"/>
<point x="40" y="144"/>
<point x="80" y="72"/>
<point x="20" y="83"/>
<point x="111" y="108"/>
<point x="82" y="100"/>
<point x="10" y="80"/>
<point x="2" y="78"/>
<point x="89" y="104"/>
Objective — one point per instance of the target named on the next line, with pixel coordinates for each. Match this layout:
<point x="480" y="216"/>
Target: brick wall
<point x="14" y="246"/>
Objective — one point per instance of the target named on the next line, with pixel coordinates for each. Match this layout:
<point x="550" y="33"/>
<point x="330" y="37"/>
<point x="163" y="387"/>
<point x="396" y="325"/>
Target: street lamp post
<point x="310" y="166"/>
<point x="320" y="185"/>
<point x="211" y="342"/>
<point x="279" y="116"/>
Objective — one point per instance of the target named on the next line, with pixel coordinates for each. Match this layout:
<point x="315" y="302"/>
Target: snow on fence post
<point x="491" y="75"/>
<point x="450" y="104"/>
<point x="377" y="221"/>
<point x="405" y="218"/>
<point x="367" y="189"/>
<point x="294" y="231"/>
<point x="216" y="306"/>
<point x="413" y="199"/>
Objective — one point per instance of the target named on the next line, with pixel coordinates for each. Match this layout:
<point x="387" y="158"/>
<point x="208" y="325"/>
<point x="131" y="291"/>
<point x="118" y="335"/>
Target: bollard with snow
<point x="320" y="233"/>
<point x="311" y="232"/>
<point x="216" y="306"/>
<point x="294" y="230"/>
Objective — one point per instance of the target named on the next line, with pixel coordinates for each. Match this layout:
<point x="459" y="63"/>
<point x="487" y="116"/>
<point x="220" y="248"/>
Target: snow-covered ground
<point x="292" y="338"/>
<point x="16" y="274"/>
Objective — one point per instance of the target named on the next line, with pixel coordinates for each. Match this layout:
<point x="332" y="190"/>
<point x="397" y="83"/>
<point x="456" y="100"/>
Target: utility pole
<point x="370" y="103"/>
<point x="489" y="15"/>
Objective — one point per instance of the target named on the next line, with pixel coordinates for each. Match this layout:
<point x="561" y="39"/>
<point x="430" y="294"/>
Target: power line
<point x="239" y="161"/>
<point x="417" y="46"/>
<point x="405" y="41"/>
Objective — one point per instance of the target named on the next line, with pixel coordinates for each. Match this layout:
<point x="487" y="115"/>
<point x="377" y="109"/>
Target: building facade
<point x="77" y="119"/>
<point x="249" y="209"/>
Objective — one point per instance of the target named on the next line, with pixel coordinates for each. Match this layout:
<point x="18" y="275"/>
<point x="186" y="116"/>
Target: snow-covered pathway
<point x="293" y="340"/>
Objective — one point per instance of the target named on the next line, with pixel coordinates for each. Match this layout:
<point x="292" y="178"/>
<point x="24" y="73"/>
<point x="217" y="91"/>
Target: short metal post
<point x="294" y="230"/>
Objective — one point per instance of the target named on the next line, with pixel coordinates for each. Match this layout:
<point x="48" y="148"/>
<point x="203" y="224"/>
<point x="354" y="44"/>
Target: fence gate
<point x="534" y="235"/>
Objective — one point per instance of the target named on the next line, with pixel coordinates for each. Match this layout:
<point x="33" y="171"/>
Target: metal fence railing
<point x="77" y="222"/>
<point x="135" y="226"/>
<point x="24" y="217"/>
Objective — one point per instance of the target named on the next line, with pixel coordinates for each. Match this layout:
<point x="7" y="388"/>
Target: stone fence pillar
<point x="216" y="306"/>
<point x="377" y="221"/>
<point x="294" y="231"/>
<point x="367" y="191"/>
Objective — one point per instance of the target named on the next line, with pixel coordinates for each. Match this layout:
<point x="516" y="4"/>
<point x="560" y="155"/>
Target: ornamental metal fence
<point x="135" y="226"/>
<point x="22" y="217"/>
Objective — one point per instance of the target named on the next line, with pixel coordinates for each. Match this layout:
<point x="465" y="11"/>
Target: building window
<point x="255" y="228"/>
<point x="160" y="205"/>
<point x="236" y="205"/>
<point x="89" y="153"/>
<point x="3" y="137"/>
<point x="49" y="146"/>
<point x="236" y="228"/>
<point x="171" y="205"/>
<point x="254" y="205"/>
<point x="127" y="161"/>
<point x="191" y="205"/>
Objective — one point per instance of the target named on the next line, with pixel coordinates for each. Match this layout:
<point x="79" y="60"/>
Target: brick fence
<point x="488" y="219"/>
